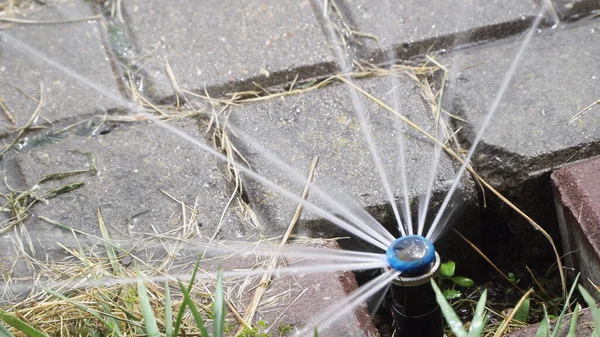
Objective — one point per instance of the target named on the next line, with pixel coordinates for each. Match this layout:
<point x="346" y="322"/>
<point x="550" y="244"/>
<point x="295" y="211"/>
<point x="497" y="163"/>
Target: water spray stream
<point x="410" y="261"/>
<point x="243" y="248"/>
<point x="441" y="119"/>
<point x="349" y="208"/>
<point x="350" y="303"/>
<point x="359" y="111"/>
<point x="80" y="283"/>
<point x="402" y="159"/>
<point x="494" y="106"/>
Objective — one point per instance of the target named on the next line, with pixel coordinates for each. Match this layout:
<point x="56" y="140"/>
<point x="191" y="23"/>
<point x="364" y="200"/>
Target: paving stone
<point x="441" y="23"/>
<point x="216" y="45"/>
<point x="134" y="164"/>
<point x="530" y="131"/>
<point x="575" y="9"/>
<point x="76" y="45"/>
<point x="577" y="197"/>
<point x="322" y="123"/>
<point x="308" y="296"/>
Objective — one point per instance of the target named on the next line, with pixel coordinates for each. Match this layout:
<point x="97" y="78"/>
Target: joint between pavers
<point x="497" y="164"/>
<point x="404" y="50"/>
<point x="575" y="10"/>
<point x="110" y="54"/>
<point x="119" y="40"/>
<point x="452" y="42"/>
<point x="283" y="79"/>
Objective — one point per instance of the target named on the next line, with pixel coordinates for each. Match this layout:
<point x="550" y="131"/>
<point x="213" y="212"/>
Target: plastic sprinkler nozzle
<point x="411" y="254"/>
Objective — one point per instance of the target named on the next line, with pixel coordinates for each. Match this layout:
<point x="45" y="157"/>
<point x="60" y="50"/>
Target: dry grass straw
<point x="144" y="104"/>
<point x="343" y="28"/>
<point x="50" y="22"/>
<point x="115" y="9"/>
<point x="21" y="130"/>
<point x="507" y="320"/>
<point x="19" y="203"/>
<point x="58" y="303"/>
<point x="583" y="111"/>
<point x="7" y="112"/>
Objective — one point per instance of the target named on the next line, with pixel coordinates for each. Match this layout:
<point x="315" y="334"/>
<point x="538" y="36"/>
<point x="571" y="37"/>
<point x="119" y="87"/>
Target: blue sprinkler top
<point x="411" y="254"/>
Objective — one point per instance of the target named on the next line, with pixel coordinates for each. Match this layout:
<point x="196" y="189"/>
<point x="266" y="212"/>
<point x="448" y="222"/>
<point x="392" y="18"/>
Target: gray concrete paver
<point x="76" y="45"/>
<point x="322" y="123"/>
<point x="557" y="77"/>
<point x="133" y="165"/>
<point x="400" y="23"/>
<point x="216" y="43"/>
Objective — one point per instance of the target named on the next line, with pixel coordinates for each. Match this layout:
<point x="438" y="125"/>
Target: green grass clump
<point x="477" y="325"/>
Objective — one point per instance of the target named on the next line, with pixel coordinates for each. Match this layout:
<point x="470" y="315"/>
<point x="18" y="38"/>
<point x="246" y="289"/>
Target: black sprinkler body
<point x="414" y="307"/>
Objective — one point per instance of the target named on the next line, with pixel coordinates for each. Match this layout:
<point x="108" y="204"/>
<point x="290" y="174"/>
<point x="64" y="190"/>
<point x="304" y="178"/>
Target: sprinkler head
<point x="411" y="255"/>
<point x="414" y="306"/>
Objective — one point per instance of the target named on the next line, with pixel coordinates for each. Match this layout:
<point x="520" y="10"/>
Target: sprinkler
<point x="414" y="308"/>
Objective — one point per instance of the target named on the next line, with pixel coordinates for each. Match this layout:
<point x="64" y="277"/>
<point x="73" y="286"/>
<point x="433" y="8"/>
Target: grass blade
<point x="110" y="251"/>
<point x="544" y="327"/>
<point x="219" y="307"/>
<point x="593" y="309"/>
<point x="4" y="332"/>
<point x="168" y="311"/>
<point x="523" y="313"/>
<point x="179" y="319"/>
<point x="148" y="314"/>
<point x="573" y="326"/>
<point x="453" y="321"/>
<point x="185" y="303"/>
<point x="197" y="317"/>
<point x="560" y="318"/>
<point x="480" y="318"/>
<point x="18" y="324"/>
